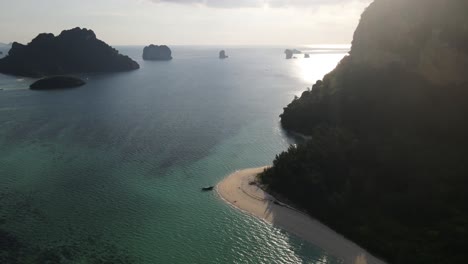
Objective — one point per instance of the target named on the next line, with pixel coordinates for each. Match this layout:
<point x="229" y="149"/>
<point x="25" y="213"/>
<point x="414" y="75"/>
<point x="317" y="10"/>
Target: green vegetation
<point x="387" y="165"/>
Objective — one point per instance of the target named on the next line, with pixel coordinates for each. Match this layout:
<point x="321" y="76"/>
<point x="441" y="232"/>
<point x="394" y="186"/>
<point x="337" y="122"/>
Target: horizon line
<point x="338" y="45"/>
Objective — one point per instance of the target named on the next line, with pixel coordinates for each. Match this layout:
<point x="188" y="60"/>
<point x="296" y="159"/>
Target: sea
<point x="111" y="172"/>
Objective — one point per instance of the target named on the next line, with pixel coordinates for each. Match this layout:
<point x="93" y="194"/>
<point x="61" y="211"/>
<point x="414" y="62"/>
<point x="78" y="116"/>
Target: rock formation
<point x="73" y="51"/>
<point x="392" y="117"/>
<point x="290" y="52"/>
<point x="154" y="52"/>
<point x="222" y="55"/>
<point x="428" y="47"/>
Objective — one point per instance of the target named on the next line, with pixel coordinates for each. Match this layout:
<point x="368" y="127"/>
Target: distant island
<point x="57" y="82"/>
<point x="156" y="53"/>
<point x="222" y="55"/>
<point x="290" y="52"/>
<point x="386" y="164"/>
<point x="73" y="51"/>
<point x="306" y="55"/>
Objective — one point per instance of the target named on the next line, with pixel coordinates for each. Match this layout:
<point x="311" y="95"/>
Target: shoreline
<point x="237" y="191"/>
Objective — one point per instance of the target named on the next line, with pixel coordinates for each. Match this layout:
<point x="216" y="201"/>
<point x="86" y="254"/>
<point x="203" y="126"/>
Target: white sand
<point x="235" y="189"/>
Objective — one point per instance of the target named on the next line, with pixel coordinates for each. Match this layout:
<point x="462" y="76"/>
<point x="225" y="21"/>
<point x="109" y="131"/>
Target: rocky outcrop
<point x="57" y="82"/>
<point x="306" y="55"/>
<point x="392" y="118"/>
<point x="154" y="52"/>
<point x="73" y="51"/>
<point x="222" y="55"/>
<point x="290" y="52"/>
<point x="424" y="42"/>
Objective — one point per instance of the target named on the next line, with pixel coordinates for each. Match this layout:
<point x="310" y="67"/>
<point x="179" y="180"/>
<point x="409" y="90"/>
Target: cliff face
<point x="386" y="162"/>
<point x="222" y="55"/>
<point x="154" y="52"/>
<point x="73" y="51"/>
<point x="426" y="41"/>
<point x="429" y="37"/>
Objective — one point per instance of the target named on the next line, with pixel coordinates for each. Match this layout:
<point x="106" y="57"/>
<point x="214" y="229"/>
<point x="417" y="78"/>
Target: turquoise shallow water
<point x="111" y="172"/>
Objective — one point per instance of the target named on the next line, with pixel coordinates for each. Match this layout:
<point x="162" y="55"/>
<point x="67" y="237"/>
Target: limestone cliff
<point x="386" y="162"/>
<point x="420" y="41"/>
<point x="73" y="51"/>
<point x="154" y="52"/>
<point x="429" y="37"/>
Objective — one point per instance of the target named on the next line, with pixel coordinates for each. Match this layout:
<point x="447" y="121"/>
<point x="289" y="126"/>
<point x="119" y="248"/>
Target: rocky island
<point x="290" y="52"/>
<point x="222" y="55"/>
<point x="73" y="51"/>
<point x="157" y="53"/>
<point x="57" y="82"/>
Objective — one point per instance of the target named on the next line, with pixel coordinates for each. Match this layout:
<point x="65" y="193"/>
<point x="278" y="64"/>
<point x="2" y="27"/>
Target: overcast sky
<point x="187" y="22"/>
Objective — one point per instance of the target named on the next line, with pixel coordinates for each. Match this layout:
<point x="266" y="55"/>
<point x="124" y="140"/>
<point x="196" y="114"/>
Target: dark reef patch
<point x="15" y="249"/>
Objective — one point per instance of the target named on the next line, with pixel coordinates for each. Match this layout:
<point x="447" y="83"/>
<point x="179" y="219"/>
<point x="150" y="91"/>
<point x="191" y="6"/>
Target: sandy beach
<point x="237" y="190"/>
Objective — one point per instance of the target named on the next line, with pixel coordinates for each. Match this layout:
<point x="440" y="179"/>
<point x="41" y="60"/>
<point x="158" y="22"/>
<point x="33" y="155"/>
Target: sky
<point x="187" y="22"/>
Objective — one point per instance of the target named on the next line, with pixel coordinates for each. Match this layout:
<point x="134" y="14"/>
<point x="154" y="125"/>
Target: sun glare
<point x="313" y="69"/>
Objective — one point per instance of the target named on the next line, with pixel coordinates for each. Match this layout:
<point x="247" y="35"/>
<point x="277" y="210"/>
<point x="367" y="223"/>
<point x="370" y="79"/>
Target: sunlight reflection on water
<point x="319" y="64"/>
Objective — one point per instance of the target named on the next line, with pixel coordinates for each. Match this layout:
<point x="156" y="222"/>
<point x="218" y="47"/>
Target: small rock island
<point x="306" y="55"/>
<point x="157" y="53"/>
<point x="290" y="52"/>
<point x="57" y="82"/>
<point x="73" y="51"/>
<point x="222" y="55"/>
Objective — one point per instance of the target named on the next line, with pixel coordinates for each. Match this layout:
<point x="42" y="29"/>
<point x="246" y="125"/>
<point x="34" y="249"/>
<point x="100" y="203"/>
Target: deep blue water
<point x="111" y="171"/>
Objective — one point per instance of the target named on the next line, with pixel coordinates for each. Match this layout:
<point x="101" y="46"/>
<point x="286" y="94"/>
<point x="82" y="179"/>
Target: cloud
<point x="257" y="3"/>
